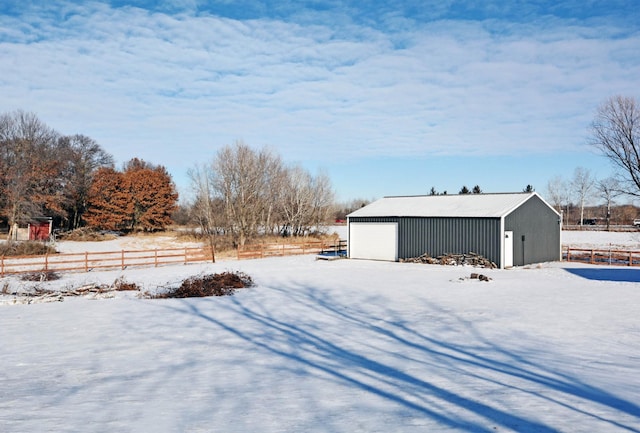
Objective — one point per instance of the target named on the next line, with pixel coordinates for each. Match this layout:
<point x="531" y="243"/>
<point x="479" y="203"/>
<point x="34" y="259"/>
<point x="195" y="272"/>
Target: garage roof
<point x="462" y="205"/>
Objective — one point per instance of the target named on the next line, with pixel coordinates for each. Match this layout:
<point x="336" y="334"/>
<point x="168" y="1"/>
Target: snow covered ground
<point x="332" y="346"/>
<point x="602" y="239"/>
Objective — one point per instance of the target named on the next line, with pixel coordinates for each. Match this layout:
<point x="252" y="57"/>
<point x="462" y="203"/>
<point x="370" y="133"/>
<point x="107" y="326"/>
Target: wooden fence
<point x="284" y="249"/>
<point x="601" y="257"/>
<point x="102" y="260"/>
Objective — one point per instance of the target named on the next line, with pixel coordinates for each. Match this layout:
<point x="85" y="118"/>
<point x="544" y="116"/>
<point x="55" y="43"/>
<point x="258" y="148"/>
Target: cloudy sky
<point x="387" y="97"/>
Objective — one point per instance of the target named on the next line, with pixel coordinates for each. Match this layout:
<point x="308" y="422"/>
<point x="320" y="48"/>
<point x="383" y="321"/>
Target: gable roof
<point x="461" y="205"/>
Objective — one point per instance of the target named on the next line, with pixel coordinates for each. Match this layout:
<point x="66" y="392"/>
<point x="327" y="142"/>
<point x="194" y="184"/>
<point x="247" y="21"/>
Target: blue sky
<point x="387" y="97"/>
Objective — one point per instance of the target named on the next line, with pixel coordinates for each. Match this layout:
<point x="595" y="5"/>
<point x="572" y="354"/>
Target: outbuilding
<point x="510" y="229"/>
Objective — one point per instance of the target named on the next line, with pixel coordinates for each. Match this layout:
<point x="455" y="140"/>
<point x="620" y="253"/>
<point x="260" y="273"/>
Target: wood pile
<point x="471" y="259"/>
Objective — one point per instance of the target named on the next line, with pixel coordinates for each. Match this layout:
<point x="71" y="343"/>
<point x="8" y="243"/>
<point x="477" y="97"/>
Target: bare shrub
<point x="26" y="248"/>
<point x="223" y="284"/>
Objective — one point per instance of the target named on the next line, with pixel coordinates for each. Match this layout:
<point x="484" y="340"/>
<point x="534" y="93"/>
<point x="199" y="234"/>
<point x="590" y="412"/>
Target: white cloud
<point x="172" y="88"/>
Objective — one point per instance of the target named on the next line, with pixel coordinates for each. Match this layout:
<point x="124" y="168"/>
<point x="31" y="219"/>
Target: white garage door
<point x="373" y="241"/>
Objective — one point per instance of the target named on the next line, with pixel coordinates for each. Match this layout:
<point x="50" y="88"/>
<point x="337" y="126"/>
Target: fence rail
<point x="259" y="251"/>
<point x="601" y="257"/>
<point x="102" y="260"/>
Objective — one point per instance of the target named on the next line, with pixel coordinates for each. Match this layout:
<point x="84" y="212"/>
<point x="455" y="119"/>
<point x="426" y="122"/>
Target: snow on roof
<point x="462" y="205"/>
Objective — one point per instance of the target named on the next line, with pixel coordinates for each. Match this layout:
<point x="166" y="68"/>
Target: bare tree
<point x="29" y="167"/>
<point x="323" y="203"/>
<point x="616" y="133"/>
<point x="83" y="158"/>
<point x="308" y="201"/>
<point x="241" y="179"/>
<point x="558" y="195"/>
<point x="581" y="184"/>
<point x="255" y="193"/>
<point x="207" y="209"/>
<point x="609" y="189"/>
<point x="297" y="198"/>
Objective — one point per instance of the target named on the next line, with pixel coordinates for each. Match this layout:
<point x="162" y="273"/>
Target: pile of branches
<point x="40" y="295"/>
<point x="223" y="284"/>
<point x="471" y="259"/>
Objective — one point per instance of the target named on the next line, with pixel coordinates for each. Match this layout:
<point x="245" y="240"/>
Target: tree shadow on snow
<point x="385" y="355"/>
<point x="629" y="275"/>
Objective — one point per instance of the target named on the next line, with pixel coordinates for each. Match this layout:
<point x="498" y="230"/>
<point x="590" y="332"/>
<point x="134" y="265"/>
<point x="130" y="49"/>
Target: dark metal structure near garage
<point x="510" y="229"/>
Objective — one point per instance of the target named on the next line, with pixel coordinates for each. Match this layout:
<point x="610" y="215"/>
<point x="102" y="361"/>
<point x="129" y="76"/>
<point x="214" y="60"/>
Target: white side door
<point x="508" y="249"/>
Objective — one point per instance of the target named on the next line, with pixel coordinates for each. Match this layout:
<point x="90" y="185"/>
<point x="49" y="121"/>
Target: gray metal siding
<point x="437" y="236"/>
<point x="541" y="230"/>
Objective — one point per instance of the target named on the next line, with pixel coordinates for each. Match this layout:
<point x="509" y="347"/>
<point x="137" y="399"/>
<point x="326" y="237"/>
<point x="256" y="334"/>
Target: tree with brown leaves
<point x="142" y="197"/>
<point x="109" y="203"/>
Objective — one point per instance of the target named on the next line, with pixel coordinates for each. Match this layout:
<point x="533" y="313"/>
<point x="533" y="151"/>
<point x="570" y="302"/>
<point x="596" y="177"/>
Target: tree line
<point x="615" y="132"/>
<point x="241" y="192"/>
<point x="245" y="193"/>
<point x="73" y="180"/>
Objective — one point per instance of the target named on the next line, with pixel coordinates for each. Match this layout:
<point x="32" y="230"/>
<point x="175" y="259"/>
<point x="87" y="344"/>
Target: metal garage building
<point x="511" y="229"/>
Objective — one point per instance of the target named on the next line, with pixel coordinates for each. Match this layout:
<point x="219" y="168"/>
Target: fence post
<point x="2" y="266"/>
<point x="630" y="258"/>
<point x="593" y="257"/>
<point x="185" y="255"/>
<point x="155" y="257"/>
<point x="122" y="260"/>
<point x="46" y="262"/>
<point x="86" y="261"/>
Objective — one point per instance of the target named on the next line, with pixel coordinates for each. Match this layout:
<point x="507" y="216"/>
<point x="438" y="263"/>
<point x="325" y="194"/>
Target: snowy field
<point x="333" y="346"/>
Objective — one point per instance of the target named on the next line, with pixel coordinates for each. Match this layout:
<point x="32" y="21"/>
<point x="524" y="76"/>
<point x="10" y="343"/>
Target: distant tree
<point x="153" y="193"/>
<point x="253" y="192"/>
<point x="476" y="190"/>
<point x="241" y="179"/>
<point x="433" y="191"/>
<point x="83" y="157"/>
<point x="608" y="189"/>
<point x="464" y="190"/>
<point x="558" y="194"/>
<point x="142" y="197"/>
<point x="30" y="168"/>
<point x="344" y="209"/>
<point x="205" y="211"/>
<point x="109" y="204"/>
<point x="615" y="132"/>
<point x="528" y="188"/>
<point x="582" y="185"/>
<point x="182" y="215"/>
<point x="306" y="201"/>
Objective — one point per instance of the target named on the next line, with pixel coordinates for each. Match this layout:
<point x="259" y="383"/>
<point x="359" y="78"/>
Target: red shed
<point x="40" y="229"/>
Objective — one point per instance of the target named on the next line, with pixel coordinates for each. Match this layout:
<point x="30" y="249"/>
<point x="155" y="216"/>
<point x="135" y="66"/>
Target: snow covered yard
<point x="340" y="346"/>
